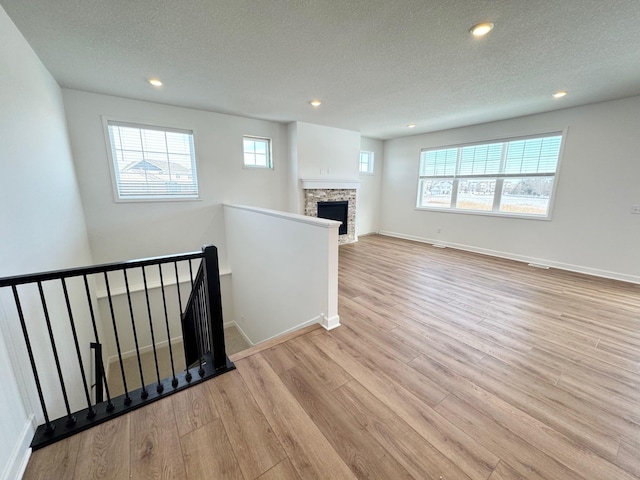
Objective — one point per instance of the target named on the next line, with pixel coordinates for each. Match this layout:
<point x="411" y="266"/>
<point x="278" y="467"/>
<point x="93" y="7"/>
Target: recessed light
<point x="481" y="29"/>
<point x="315" y="103"/>
<point x="412" y="125"/>
<point x="155" y="82"/>
<point x="559" y="94"/>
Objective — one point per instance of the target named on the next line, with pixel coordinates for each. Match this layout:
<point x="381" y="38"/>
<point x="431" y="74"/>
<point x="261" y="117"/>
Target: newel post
<point x="214" y="305"/>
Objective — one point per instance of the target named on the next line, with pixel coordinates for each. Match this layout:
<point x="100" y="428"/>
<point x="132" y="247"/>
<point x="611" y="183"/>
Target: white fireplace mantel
<point x="329" y="184"/>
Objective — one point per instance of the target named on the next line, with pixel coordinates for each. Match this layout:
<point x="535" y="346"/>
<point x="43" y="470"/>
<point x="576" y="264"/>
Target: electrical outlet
<point x="635" y="209"/>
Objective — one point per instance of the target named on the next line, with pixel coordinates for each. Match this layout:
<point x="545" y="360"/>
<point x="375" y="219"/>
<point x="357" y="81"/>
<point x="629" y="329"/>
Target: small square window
<point x="257" y="152"/>
<point x="366" y="162"/>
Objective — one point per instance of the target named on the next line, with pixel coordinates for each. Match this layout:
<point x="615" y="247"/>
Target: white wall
<point x="368" y="209"/>
<point x="320" y="152"/>
<point x="42" y="226"/>
<point x="120" y="231"/>
<point x="326" y="152"/>
<point x="284" y="271"/>
<point x="592" y="228"/>
<point x="15" y="428"/>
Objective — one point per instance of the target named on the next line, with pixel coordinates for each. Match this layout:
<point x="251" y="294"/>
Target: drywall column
<point x="284" y="271"/>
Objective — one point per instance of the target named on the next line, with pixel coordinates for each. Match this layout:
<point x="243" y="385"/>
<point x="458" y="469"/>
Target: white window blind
<point x="152" y="162"/>
<point x="512" y="177"/>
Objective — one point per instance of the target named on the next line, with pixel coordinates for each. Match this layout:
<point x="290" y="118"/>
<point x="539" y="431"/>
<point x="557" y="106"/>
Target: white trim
<point x="269" y="156"/>
<point x="327" y="184"/>
<point x="596" y="272"/>
<point x="19" y="458"/>
<point x="292" y="329"/>
<point x="154" y="126"/>
<point x="329" y="323"/>
<point x="145" y="349"/>
<point x="244" y="335"/>
<point x="139" y="287"/>
<point x="294" y="217"/>
<point x="495" y="211"/>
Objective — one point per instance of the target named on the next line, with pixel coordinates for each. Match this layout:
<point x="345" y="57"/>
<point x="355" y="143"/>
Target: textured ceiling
<point x="377" y="65"/>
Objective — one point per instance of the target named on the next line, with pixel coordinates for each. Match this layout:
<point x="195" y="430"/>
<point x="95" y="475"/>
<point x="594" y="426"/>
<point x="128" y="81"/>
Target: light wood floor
<point x="448" y="365"/>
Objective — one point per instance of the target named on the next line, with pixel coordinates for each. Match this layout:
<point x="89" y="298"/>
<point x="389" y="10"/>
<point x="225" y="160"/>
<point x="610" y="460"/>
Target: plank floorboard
<point x="282" y="471"/>
<point x="155" y="443"/>
<point x="254" y="443"/>
<point x="355" y="445"/>
<point x="417" y="456"/>
<point x="327" y="372"/>
<point x="476" y="461"/>
<point x="55" y="461"/>
<point x="309" y="451"/>
<point x="208" y="453"/>
<point x="629" y="459"/>
<point x="193" y="408"/>
<point x="569" y="452"/>
<point x="527" y="461"/>
<point x="104" y="451"/>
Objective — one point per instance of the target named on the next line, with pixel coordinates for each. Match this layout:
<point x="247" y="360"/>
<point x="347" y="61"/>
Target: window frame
<point x="269" y="165"/>
<point x="106" y="121"/>
<point x="370" y="164"/>
<point x="499" y="178"/>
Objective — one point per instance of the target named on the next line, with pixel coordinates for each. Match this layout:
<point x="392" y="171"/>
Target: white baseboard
<point x="329" y="323"/>
<point x="17" y="464"/>
<point x="145" y="349"/>
<point x="521" y="258"/>
<point x="244" y="335"/>
<point x="292" y="329"/>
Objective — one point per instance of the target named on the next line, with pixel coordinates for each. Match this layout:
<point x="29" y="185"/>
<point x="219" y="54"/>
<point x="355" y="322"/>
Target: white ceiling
<point x="377" y="65"/>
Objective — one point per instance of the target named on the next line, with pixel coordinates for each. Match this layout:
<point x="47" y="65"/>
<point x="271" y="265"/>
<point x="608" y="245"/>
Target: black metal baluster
<point x="127" y="398"/>
<point x="144" y="394"/>
<point x="174" y="382"/>
<point x="101" y="371"/>
<point x="49" y="427"/>
<point x="159" y="387"/>
<point x="206" y="344"/>
<point x="71" y="420"/>
<point x="198" y="329"/>
<point x="91" y="413"/>
<point x="187" y="376"/>
<point x="191" y="273"/>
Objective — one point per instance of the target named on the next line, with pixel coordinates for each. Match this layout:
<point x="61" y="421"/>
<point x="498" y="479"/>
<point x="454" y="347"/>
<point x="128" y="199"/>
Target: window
<point x="366" y="162"/>
<point x="513" y="177"/>
<point x="257" y="152"/>
<point x="151" y="163"/>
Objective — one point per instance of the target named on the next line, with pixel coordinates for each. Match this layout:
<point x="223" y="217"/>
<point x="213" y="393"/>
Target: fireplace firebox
<point x="335" y="211"/>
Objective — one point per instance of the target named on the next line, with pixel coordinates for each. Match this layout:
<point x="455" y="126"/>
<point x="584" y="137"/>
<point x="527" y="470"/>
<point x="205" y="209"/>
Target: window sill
<point x="485" y="213"/>
<point x="157" y="199"/>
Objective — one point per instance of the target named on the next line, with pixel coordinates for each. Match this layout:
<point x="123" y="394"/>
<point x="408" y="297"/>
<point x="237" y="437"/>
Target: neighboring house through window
<point x="152" y="163"/>
<point x="515" y="177"/>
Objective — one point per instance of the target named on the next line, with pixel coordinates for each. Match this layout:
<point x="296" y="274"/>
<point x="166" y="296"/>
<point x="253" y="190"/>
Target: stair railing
<point x="201" y="319"/>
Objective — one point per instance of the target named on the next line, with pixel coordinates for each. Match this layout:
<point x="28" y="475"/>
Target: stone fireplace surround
<point x="325" y="190"/>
